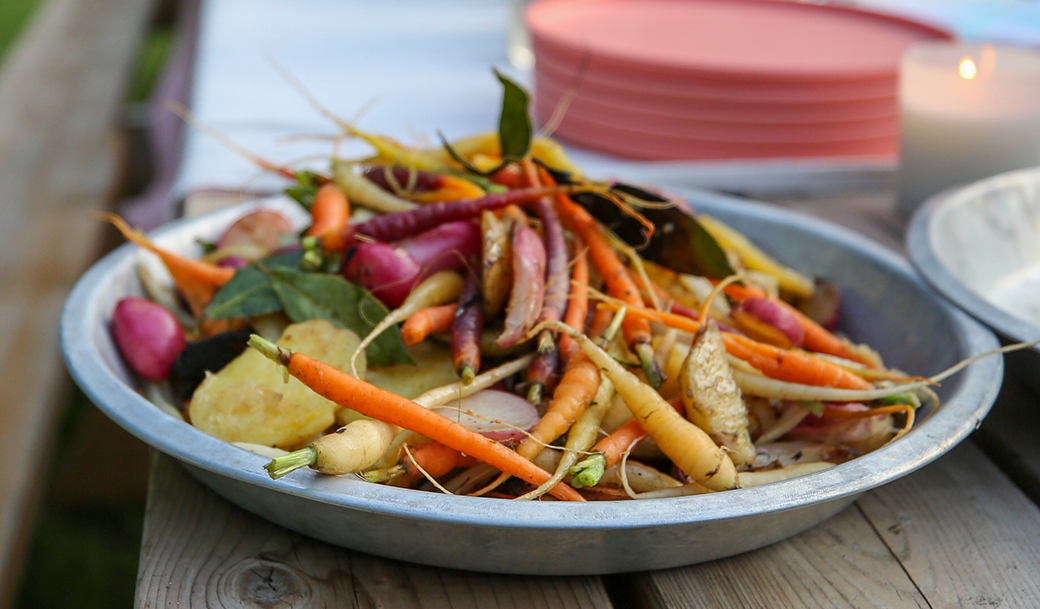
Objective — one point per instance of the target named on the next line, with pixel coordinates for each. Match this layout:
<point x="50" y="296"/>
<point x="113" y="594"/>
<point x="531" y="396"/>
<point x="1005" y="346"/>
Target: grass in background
<point x="13" y="15"/>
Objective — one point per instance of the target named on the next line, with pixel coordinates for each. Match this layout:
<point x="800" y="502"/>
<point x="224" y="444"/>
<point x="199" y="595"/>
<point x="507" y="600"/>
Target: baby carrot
<point x="197" y="280"/>
<point x="684" y="443"/>
<point x="425" y="322"/>
<point x="349" y="392"/>
<point x="816" y="337"/>
<point x="330" y="212"/>
<point x="606" y="453"/>
<point x="619" y="284"/>
<point x="466" y="328"/>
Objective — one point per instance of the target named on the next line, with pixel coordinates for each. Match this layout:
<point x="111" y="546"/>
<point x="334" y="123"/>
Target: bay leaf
<point x="248" y="292"/>
<point x="306" y="296"/>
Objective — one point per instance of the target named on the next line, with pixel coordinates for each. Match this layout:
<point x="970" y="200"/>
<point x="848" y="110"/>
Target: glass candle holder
<point x="966" y="112"/>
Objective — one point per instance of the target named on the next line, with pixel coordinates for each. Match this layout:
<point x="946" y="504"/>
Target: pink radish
<point x="444" y="248"/>
<point x="262" y="227"/>
<point x="772" y="314"/>
<point x="148" y="336"/>
<point x="386" y="271"/>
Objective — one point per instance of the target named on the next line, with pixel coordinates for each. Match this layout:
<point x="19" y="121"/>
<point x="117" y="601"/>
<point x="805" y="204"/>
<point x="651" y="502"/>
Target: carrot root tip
<point x="280" y="466"/>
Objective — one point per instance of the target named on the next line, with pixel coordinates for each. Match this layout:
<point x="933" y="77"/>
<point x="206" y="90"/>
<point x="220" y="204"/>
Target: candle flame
<point x="967" y="68"/>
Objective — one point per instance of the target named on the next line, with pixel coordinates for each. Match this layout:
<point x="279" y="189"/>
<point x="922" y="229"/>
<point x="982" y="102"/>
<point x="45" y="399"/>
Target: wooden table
<point x="957" y="533"/>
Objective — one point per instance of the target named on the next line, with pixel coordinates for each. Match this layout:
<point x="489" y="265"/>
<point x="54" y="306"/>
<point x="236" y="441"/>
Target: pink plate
<point x="658" y="147"/>
<point x="586" y="99"/>
<point x="733" y="39"/>
<point x="702" y="88"/>
<point x="776" y="133"/>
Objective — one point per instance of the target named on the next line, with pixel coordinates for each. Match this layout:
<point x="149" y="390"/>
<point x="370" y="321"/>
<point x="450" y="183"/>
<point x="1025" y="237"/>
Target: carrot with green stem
<point x="437" y="289"/>
<point x="466" y="328"/>
<point x="786" y="365"/>
<point x="425" y="322"/>
<point x="606" y="453"/>
<point x="684" y="443"/>
<point x="619" y="284"/>
<point x="432" y="459"/>
<point x="393" y="409"/>
<point x="581" y="436"/>
<point x="330" y="212"/>
<point x="196" y="280"/>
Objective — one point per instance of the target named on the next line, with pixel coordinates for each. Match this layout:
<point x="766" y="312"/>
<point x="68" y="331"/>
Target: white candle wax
<point x="966" y="112"/>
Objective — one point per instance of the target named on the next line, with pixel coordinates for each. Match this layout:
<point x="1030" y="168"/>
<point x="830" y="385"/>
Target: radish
<point x="148" y="336"/>
<point x="386" y="271"/>
<point x="263" y="227"/>
<point x="498" y="415"/>
<point x="444" y="248"/>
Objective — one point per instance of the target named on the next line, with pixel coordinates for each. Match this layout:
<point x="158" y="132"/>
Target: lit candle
<point x="966" y="112"/>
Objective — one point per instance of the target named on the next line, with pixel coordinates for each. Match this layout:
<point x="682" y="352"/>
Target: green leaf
<point x="306" y="296"/>
<point x="514" y="124"/>
<point x="249" y="293"/>
<point x="305" y="188"/>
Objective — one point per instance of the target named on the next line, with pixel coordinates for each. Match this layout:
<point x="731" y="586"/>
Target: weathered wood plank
<point x="964" y="533"/>
<point x="60" y="91"/>
<point x="198" y="550"/>
<point x="839" y="563"/>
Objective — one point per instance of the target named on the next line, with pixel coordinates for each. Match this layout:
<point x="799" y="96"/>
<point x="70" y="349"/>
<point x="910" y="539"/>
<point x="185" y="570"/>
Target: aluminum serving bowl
<point x="885" y="306"/>
<point x="979" y="246"/>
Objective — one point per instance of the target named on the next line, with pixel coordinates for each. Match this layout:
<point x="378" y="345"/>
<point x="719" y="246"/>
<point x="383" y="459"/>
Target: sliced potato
<point x="250" y="401"/>
<point x="433" y="368"/>
<point x="712" y="398"/>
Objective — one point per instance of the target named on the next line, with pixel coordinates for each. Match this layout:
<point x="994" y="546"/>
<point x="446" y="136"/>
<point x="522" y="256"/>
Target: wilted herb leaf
<point x="249" y="293"/>
<point x="306" y="296"/>
<point x="679" y="241"/>
<point x="514" y="124"/>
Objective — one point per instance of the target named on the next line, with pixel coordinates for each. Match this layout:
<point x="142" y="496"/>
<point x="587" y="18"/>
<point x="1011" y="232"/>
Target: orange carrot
<point x="197" y="280"/>
<point x="619" y="283"/>
<point x="349" y="392"/>
<point x="786" y="365"/>
<point x="614" y="445"/>
<point x="425" y="322"/>
<point x="578" y="302"/>
<point x="576" y="389"/>
<point x="434" y="458"/>
<point x="330" y="212"/>
<point x="817" y="338"/>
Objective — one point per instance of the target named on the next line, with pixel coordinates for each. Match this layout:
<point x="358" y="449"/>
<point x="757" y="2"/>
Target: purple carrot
<point x="445" y="248"/>
<point x="543" y="374"/>
<point x="386" y="271"/>
<point x="466" y="329"/>
<point x="525" y="300"/>
<point x="399" y="225"/>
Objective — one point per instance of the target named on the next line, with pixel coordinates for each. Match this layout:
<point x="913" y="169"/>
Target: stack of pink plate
<point x="720" y="79"/>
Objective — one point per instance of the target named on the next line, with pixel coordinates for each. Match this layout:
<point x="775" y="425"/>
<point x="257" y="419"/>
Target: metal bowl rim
<point x="921" y="249"/>
<point x="958" y="416"/>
